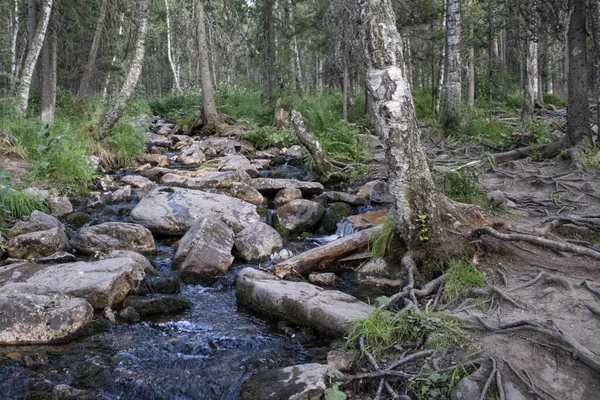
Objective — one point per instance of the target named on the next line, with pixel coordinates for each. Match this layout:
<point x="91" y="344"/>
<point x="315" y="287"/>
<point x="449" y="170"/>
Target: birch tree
<point x="453" y="89"/>
<point x="108" y="120"/>
<point x="417" y="200"/>
<point x="174" y="67"/>
<point x="530" y="15"/>
<point x="595" y="22"/>
<point x="209" y="107"/>
<point x="91" y="63"/>
<point x="33" y="53"/>
<point x="48" y="75"/>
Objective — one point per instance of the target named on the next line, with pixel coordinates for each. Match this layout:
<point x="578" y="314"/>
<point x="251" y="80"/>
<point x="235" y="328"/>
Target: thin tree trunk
<point x="578" y="117"/>
<point x="453" y="93"/>
<point x="14" y="35"/>
<point x="595" y="19"/>
<point x="113" y="115"/>
<point x="441" y="74"/>
<point x="174" y="69"/>
<point x="471" y="68"/>
<point x="209" y="107"/>
<point x="417" y="200"/>
<point x="530" y="91"/>
<point x="33" y="53"/>
<point x="114" y="59"/>
<point x="91" y="63"/>
<point x="345" y="92"/>
<point x="48" y="74"/>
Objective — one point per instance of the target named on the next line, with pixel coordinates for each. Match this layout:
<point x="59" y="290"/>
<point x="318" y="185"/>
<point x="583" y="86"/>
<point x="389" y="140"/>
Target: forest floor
<point x="539" y="195"/>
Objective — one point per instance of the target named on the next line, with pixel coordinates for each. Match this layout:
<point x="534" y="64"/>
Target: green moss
<point x="77" y="219"/>
<point x="333" y="215"/>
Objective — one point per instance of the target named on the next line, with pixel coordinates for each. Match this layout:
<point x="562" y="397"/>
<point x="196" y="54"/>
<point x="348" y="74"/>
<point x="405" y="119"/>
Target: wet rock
<point x="102" y="283"/>
<point x="375" y="191"/>
<point x="106" y="183"/>
<point x="286" y="195"/>
<point x="299" y="382"/>
<point x="323" y="279"/>
<point x="77" y="219"/>
<point x="95" y="200"/>
<point x="298" y="216"/>
<point x="121" y="195"/>
<point x="56" y="258"/>
<point x="37" y="221"/>
<point x="294" y="155"/>
<point x="204" y="252"/>
<point x="154" y="140"/>
<point x="328" y="311"/>
<point x="37" y="314"/>
<point x="113" y="236"/>
<point x="210" y="180"/>
<point x="334" y="214"/>
<point x="343" y="360"/>
<point x="495" y="198"/>
<point x="352" y="199"/>
<point x="137" y="181"/>
<point x="34" y="360"/>
<point x="465" y="389"/>
<point x="377" y="273"/>
<point x="270" y="186"/>
<point x="158" y="305"/>
<point x="129" y="314"/>
<point x="246" y="192"/>
<point x="261" y="163"/>
<point x="109" y="314"/>
<point x="192" y="154"/>
<point x="59" y="206"/>
<point x="164" y="130"/>
<point x="367" y="220"/>
<point x="66" y="392"/>
<point x="156" y="284"/>
<point x="229" y="150"/>
<point x="159" y="160"/>
<point x="38" y="244"/>
<point x="281" y="255"/>
<point x="140" y="259"/>
<point x="257" y="241"/>
<point x="171" y="211"/>
<point x="237" y="162"/>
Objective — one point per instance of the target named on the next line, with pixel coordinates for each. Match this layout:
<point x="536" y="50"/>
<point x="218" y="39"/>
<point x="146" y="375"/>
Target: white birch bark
<point x="33" y="53"/>
<point x="174" y="69"/>
<point x="14" y="34"/>
<point x="210" y="109"/>
<point x="48" y="75"/>
<point x="453" y="88"/>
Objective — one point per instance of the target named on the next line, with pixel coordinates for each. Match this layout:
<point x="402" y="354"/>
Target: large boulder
<point x="114" y="236"/>
<point x="286" y="195"/>
<point x="37" y="221"/>
<point x="257" y="241"/>
<point x="34" y="314"/>
<point x="38" y="244"/>
<point x="103" y="283"/>
<point x="327" y="311"/>
<point x="205" y="251"/>
<point x="298" y="216"/>
<point x="172" y="211"/>
<point x="137" y="181"/>
<point x="299" y="382"/>
<point x="238" y="162"/>
<point x="270" y="186"/>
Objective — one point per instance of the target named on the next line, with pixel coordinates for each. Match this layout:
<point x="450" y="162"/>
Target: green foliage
<point x="438" y="386"/>
<point x="242" y="104"/>
<point x="551" y="98"/>
<point x="334" y="393"/>
<point x="14" y="203"/>
<point x="424" y="230"/>
<point x="137" y="106"/>
<point x="461" y="275"/>
<point x="268" y="136"/>
<point x="590" y="158"/>
<point x="423" y="105"/>
<point x="489" y="132"/>
<point x="122" y="145"/>
<point x="462" y="185"/>
<point x="176" y="105"/>
<point x="381" y="244"/>
<point x="383" y="330"/>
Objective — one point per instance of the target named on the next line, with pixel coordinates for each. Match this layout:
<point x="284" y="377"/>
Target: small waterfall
<point x="344" y="228"/>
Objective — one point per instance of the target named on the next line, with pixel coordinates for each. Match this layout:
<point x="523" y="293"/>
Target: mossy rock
<point x="77" y="219"/>
<point x="210" y="129"/>
<point x="278" y="175"/>
<point x="279" y="160"/>
<point x="333" y="215"/>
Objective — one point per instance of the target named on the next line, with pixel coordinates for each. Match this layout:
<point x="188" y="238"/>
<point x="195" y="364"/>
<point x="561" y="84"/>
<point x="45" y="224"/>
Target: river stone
<point x="333" y="215"/>
<point x="121" y="195"/>
<point x="192" y="154"/>
<point x="59" y="257"/>
<point x="298" y="216"/>
<point x="205" y="251"/>
<point x="375" y="191"/>
<point x="37" y="221"/>
<point x="238" y="162"/>
<point x="137" y="181"/>
<point x="36" y="314"/>
<point x="212" y="180"/>
<point x="328" y="311"/>
<point x="343" y="361"/>
<point x="270" y="186"/>
<point x="323" y="278"/>
<point x="159" y="160"/>
<point x="102" y="283"/>
<point x="171" y="211"/>
<point x="38" y="244"/>
<point x="158" y="305"/>
<point x="154" y="140"/>
<point x="113" y="236"/>
<point x="245" y="192"/>
<point x="298" y="382"/>
<point x="257" y="241"/>
<point x="286" y="195"/>
<point x="465" y="389"/>
<point x="59" y="206"/>
<point x="140" y="259"/>
<point x="352" y="199"/>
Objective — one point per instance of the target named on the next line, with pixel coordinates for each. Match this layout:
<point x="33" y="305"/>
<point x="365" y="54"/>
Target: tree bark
<point x="174" y="68"/>
<point x="345" y="93"/>
<point x="324" y="166"/>
<point x="595" y="20"/>
<point x="210" y="109"/>
<point x="471" y="68"/>
<point x="319" y="257"/>
<point x="531" y="85"/>
<point x="113" y="115"/>
<point x="33" y="53"/>
<point x="417" y="200"/>
<point x="48" y="75"/>
<point x="578" y="117"/>
<point x="14" y="35"/>
<point x="453" y="91"/>
<point x="91" y="63"/>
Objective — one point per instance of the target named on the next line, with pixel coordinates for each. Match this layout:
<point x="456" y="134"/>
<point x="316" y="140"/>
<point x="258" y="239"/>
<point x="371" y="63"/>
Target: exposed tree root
<point x="548" y="278"/>
<point x="493" y="291"/>
<point x="489" y="380"/>
<point x="542" y="242"/>
<point x="529" y="384"/>
<point x="571" y="344"/>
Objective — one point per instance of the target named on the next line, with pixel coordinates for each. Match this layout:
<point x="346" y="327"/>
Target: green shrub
<point x="176" y="105"/>
<point x="462" y="185"/>
<point x="268" y="136"/>
<point x="551" y="98"/>
<point x="243" y="104"/>
<point x="489" y="132"/>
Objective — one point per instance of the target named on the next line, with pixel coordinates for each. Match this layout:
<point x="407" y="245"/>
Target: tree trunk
<point x="14" y="35"/>
<point x="114" y="59"/>
<point x="33" y="53"/>
<point x="595" y="17"/>
<point x="453" y="93"/>
<point x="531" y="76"/>
<point x="174" y="69"/>
<point x="578" y="117"/>
<point x="306" y="139"/>
<point x="345" y="93"/>
<point x="91" y="63"/>
<point x="113" y="115"/>
<point x="210" y="109"/>
<point x="48" y="75"/>
<point x="417" y="200"/>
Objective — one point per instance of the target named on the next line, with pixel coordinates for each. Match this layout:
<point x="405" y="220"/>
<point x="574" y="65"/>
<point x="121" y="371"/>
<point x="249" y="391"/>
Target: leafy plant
<point x="438" y="386"/>
<point x="423" y="232"/>
<point x="334" y="392"/>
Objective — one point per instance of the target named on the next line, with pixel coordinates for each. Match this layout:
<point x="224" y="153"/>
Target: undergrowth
<point x="381" y="244"/>
<point x="15" y="203"/>
<point x="462" y="185"/>
<point x="122" y="145"/>
<point x="461" y="275"/>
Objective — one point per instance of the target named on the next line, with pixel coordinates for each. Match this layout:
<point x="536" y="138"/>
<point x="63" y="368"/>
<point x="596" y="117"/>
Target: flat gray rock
<point x="211" y="180"/>
<point x="114" y="236"/>
<point x="38" y="244"/>
<point x="327" y="311"/>
<point x="257" y="241"/>
<point x="271" y="186"/>
<point x="37" y="221"/>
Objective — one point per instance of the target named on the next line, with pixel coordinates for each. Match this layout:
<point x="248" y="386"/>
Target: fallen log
<point x="319" y="257"/>
<point x="306" y="139"/>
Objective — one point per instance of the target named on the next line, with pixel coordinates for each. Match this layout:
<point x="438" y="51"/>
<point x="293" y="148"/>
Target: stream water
<point x="205" y="353"/>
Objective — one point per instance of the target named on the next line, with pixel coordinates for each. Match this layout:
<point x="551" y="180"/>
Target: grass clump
<point x="438" y="385"/>
<point x="14" y="203"/>
<point x="551" y="98"/>
<point x="461" y="276"/>
<point x="492" y="133"/>
<point x="462" y="185"/>
<point x="380" y="246"/>
<point x="176" y="105"/>
<point x="242" y="104"/>
<point x="123" y="143"/>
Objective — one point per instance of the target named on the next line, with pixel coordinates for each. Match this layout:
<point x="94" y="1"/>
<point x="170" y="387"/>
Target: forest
<point x="299" y="199"/>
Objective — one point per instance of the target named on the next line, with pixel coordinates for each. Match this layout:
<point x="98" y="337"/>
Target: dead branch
<point x="515" y="154"/>
<point x="306" y="139"/>
<point x="593" y="310"/>
<point x="542" y="242"/>
<point x="532" y="388"/>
